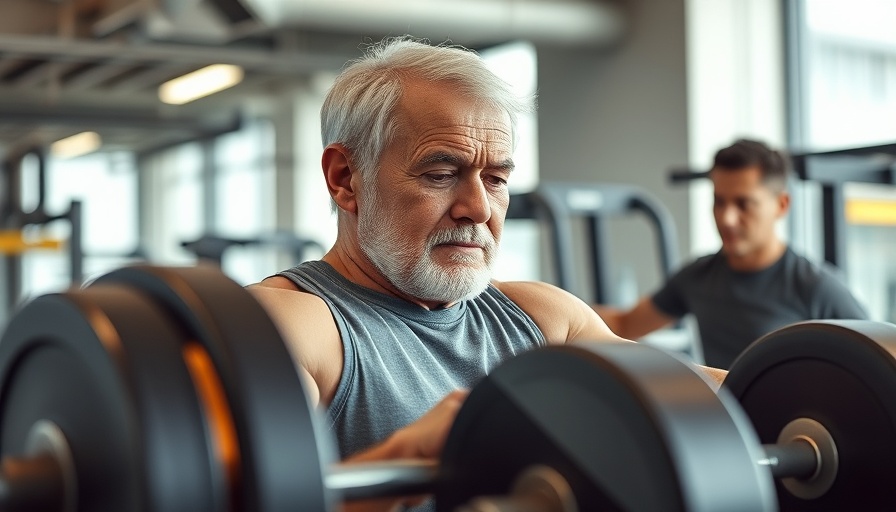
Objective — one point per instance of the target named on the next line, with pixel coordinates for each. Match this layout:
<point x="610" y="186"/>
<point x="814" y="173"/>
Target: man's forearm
<point x="392" y="448"/>
<point x="717" y="375"/>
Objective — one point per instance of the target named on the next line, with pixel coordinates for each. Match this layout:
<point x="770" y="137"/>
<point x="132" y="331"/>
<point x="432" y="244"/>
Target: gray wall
<point x="622" y="119"/>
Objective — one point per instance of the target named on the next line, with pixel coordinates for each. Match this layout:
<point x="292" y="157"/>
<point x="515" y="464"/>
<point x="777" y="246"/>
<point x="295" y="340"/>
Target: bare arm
<point x="422" y="439"/>
<point x="717" y="375"/>
<point x="564" y="318"/>
<point x="310" y="334"/>
<point x="561" y="316"/>
<point x="308" y="329"/>
<point x="642" y="319"/>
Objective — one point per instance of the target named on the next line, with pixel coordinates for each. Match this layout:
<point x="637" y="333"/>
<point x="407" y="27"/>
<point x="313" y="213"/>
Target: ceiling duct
<point x="205" y="21"/>
<point x="577" y="22"/>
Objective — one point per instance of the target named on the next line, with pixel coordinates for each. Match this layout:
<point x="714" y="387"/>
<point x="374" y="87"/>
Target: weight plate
<point x="841" y="374"/>
<point x="282" y="450"/>
<point x="104" y="365"/>
<point x="630" y="427"/>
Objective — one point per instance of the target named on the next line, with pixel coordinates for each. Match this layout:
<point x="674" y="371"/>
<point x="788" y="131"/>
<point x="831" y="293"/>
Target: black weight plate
<point x="105" y="366"/>
<point x="843" y="375"/>
<point x="629" y="426"/>
<point x="282" y="450"/>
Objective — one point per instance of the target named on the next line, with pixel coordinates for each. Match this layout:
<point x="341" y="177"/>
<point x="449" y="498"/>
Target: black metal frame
<point x="212" y="247"/>
<point x="558" y="204"/>
<point x="13" y="216"/>
<point x="832" y="169"/>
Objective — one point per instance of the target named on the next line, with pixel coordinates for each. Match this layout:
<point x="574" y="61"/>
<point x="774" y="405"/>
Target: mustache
<point x="476" y="235"/>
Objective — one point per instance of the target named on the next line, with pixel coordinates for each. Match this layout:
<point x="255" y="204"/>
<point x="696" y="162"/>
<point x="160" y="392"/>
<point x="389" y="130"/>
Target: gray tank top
<point x="401" y="359"/>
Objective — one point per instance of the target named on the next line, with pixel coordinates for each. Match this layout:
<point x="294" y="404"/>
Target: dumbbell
<point x="170" y="389"/>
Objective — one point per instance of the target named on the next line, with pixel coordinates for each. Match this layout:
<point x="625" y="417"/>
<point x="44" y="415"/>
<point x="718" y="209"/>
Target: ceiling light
<point x="76" y="145"/>
<point x="199" y="83"/>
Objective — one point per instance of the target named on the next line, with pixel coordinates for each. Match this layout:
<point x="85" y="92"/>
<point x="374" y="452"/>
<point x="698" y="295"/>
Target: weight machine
<point x="14" y="220"/>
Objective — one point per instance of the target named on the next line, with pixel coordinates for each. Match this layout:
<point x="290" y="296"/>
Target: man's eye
<point x="439" y="177"/>
<point x="497" y="180"/>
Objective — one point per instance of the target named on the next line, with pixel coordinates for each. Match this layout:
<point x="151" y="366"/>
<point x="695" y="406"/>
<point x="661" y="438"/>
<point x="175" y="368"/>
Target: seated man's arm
<point x="422" y="439"/>
<point x="643" y="319"/>
<point x="640" y="320"/>
<point x="563" y="317"/>
<point x="311" y="335"/>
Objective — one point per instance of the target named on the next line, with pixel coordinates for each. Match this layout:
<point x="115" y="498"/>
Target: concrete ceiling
<point x="73" y="65"/>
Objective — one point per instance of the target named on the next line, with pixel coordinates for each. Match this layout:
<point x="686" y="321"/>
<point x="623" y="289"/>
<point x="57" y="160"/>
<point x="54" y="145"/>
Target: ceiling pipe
<point x="574" y="22"/>
<point x="52" y="48"/>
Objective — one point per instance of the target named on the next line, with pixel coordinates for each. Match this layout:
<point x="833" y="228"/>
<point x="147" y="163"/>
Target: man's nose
<point x="727" y="216"/>
<point x="472" y="202"/>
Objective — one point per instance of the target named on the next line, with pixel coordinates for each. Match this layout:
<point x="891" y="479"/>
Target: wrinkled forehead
<point x="428" y="104"/>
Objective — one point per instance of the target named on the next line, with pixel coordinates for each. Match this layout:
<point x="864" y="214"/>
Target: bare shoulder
<point x="281" y="297"/>
<point x="533" y="294"/>
<point x="279" y="300"/>
<point x="308" y="328"/>
<point x="561" y="316"/>
<point x="275" y="282"/>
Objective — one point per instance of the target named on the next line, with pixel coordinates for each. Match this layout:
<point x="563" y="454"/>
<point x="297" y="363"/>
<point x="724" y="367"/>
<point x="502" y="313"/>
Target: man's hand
<point x="426" y="437"/>
<point x="422" y="439"/>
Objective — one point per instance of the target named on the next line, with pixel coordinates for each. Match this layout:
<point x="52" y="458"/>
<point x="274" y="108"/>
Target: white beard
<point x="416" y="274"/>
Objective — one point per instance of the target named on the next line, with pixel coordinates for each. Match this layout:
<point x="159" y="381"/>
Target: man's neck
<point x="758" y="260"/>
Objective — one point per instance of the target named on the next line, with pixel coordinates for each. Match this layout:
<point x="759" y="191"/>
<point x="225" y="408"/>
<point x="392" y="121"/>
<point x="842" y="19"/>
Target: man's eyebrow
<point x="440" y="158"/>
<point x="448" y="158"/>
<point x="506" y="165"/>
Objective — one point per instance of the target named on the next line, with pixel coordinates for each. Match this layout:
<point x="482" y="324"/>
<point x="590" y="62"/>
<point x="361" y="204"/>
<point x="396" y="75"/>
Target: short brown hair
<point x="744" y="153"/>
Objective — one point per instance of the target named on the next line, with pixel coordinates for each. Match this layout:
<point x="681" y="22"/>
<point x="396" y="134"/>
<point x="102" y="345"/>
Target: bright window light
<point x="199" y="83"/>
<point x="76" y="145"/>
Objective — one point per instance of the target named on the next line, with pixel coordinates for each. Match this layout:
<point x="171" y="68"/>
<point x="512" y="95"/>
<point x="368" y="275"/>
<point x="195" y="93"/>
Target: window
<point x="244" y="199"/>
<point x="220" y="187"/>
<point x="849" y="89"/>
<point x="106" y="186"/>
<point x="520" y="242"/>
<point x="843" y="95"/>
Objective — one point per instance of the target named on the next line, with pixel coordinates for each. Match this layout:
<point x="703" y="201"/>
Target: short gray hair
<point x="359" y="110"/>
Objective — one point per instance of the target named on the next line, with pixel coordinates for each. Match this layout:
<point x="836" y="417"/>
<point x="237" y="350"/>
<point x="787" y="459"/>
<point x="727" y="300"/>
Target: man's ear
<point x="783" y="203"/>
<point x="339" y="174"/>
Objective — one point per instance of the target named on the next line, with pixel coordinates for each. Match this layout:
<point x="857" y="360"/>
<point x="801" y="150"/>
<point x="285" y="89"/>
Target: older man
<point x="401" y="315"/>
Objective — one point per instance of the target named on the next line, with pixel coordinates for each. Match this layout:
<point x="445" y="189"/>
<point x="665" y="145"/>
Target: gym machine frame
<point x="557" y="204"/>
<point x="13" y="216"/>
<point x="212" y="247"/>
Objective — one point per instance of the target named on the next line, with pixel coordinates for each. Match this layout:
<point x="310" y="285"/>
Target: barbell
<point x="805" y="420"/>
<point x="167" y="389"/>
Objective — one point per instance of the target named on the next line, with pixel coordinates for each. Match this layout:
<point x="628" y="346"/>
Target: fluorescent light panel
<point x="199" y="83"/>
<point x="76" y="145"/>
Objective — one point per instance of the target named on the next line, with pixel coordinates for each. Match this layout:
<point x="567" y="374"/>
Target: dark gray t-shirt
<point x="734" y="309"/>
<point x="401" y="359"/>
